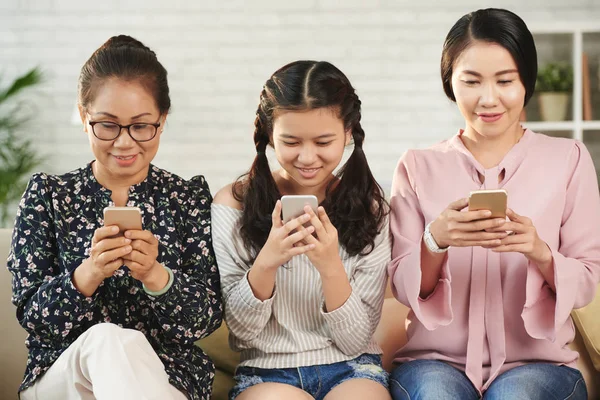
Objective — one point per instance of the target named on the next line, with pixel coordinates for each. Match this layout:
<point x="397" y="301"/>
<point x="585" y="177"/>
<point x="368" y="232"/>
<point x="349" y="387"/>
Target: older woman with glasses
<point x="110" y="314"/>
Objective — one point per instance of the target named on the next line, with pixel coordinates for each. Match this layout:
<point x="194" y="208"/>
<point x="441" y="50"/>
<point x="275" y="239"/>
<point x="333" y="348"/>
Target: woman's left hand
<point x="325" y="256"/>
<point x="524" y="239"/>
<point x="142" y="260"/>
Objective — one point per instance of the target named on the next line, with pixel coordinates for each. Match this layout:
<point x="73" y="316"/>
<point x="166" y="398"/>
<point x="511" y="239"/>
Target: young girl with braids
<point x="302" y="303"/>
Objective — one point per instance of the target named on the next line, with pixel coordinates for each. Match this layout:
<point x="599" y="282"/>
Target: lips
<point x="125" y="160"/>
<point x="490" y="117"/>
<point x="308" y="173"/>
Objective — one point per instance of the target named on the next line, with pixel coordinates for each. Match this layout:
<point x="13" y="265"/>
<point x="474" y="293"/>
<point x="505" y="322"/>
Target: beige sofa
<point x="390" y="334"/>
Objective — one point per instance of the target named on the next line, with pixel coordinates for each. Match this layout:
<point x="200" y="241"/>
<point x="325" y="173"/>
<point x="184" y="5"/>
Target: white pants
<point x="106" y="362"/>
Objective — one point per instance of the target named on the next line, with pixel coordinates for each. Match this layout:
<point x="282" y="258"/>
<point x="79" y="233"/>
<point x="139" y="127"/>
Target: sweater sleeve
<point x="246" y="316"/>
<point x="352" y="325"/>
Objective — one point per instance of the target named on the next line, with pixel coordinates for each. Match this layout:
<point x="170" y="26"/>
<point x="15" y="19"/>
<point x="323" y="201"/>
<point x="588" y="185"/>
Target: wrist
<point x="543" y="254"/>
<point x="89" y="274"/>
<point x="263" y="267"/>
<point x="432" y="239"/>
<point x="85" y="280"/>
<point x="157" y="278"/>
<point x="334" y="272"/>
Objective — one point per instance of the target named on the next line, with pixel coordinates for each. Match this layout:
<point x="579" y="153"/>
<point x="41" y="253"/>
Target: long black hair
<point x="354" y="202"/>
<point x="494" y="25"/>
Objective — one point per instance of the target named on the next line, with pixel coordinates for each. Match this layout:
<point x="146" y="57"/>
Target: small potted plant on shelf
<point x="554" y="85"/>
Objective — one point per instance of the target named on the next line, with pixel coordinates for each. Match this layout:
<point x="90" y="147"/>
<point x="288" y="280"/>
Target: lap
<point x="316" y="381"/>
<point x="538" y="381"/>
<point x="430" y="379"/>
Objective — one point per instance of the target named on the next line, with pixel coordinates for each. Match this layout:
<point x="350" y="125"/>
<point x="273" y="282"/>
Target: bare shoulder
<point x="226" y="198"/>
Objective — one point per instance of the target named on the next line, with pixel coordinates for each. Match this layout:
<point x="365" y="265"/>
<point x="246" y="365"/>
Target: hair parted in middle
<point x="354" y="202"/>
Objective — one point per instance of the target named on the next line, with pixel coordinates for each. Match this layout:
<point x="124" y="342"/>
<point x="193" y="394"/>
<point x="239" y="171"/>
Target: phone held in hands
<point x="494" y="200"/>
<point x="126" y="218"/>
<point x="292" y="206"/>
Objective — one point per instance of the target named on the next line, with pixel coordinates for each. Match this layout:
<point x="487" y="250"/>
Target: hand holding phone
<point x="285" y="238"/>
<point x="459" y="228"/>
<point x="107" y="252"/>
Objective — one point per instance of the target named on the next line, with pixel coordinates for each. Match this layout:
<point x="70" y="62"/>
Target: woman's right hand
<point x="281" y="243"/>
<point x="106" y="256"/>
<point x="457" y="228"/>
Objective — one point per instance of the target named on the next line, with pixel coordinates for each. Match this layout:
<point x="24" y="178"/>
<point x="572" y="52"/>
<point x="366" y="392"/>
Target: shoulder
<point x="184" y="190"/>
<point x="46" y="184"/>
<point x="226" y="197"/>
<point x="441" y="152"/>
<point x="557" y="149"/>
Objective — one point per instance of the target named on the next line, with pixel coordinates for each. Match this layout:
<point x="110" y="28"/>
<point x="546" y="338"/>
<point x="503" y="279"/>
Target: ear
<point x="83" y="117"/>
<point x="163" y="123"/>
<point x="348" y="135"/>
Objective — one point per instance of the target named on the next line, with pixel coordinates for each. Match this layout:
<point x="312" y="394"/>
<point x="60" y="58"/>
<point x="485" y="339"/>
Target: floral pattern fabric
<point x="55" y="223"/>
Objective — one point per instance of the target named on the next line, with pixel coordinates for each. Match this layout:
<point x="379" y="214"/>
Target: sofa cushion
<point x="13" y="353"/>
<point x="587" y="321"/>
<point x="216" y="346"/>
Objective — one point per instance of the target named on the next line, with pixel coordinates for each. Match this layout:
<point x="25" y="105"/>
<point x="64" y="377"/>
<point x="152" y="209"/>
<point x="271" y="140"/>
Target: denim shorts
<point x="316" y="380"/>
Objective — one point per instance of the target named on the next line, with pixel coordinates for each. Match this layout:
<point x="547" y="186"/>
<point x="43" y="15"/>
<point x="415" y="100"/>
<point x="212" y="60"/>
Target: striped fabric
<point x="291" y="329"/>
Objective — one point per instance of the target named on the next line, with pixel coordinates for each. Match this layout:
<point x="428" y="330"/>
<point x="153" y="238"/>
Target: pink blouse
<point x="491" y="311"/>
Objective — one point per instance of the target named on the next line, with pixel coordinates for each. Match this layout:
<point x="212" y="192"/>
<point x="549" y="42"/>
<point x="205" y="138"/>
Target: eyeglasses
<point x="140" y="132"/>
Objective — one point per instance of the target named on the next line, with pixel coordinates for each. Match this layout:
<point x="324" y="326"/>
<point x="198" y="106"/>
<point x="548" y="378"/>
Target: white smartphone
<point x="292" y="206"/>
<point x="126" y="218"/>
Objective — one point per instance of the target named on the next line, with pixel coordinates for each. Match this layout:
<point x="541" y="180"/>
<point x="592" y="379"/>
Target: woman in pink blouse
<point x="491" y="310"/>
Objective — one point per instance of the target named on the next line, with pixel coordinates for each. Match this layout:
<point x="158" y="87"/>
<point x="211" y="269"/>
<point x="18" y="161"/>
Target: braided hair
<point x="354" y="201"/>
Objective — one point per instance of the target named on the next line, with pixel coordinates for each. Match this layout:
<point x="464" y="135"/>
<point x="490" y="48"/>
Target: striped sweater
<point x="292" y="329"/>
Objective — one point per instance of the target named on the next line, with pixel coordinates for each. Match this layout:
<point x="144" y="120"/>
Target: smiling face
<point x="122" y="160"/>
<point x="488" y="89"/>
<point x="309" y="145"/>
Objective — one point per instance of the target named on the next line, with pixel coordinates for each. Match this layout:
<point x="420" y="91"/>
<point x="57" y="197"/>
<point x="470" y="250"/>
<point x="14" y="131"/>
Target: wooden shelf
<point x="590" y="125"/>
<point x="541" y="126"/>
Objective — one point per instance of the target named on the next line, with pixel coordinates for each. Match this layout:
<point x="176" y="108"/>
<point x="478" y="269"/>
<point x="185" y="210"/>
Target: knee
<point x="430" y="380"/>
<point x="106" y="333"/>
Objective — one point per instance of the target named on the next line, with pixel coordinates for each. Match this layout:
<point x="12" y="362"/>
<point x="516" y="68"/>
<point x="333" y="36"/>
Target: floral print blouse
<point x="55" y="223"/>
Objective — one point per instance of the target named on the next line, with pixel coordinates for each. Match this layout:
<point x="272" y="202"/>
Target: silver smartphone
<point x="292" y="206"/>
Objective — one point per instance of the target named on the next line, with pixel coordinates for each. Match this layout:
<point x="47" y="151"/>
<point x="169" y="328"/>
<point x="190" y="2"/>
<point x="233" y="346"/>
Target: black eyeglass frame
<point x="121" y="127"/>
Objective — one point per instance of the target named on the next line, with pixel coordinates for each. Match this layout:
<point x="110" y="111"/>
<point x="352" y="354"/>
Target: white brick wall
<point x="219" y="54"/>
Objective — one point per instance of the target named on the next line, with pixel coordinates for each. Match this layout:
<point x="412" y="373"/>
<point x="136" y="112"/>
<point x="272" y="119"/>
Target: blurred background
<point x="219" y="54"/>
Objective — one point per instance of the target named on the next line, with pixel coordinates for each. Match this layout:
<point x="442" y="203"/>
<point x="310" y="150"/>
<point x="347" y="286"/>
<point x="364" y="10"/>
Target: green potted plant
<point x="18" y="156"/>
<point x="554" y="85"/>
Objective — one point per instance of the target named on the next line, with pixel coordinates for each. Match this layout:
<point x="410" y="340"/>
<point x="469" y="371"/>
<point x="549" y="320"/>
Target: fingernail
<point x="114" y="229"/>
<point x="128" y="234"/>
<point x="127" y="241"/>
<point x="128" y="248"/>
<point x="500" y="221"/>
<point x="306" y="217"/>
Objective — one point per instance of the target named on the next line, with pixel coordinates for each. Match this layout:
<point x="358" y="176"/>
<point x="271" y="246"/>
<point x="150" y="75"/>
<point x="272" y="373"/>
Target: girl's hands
<point x="285" y="240"/>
